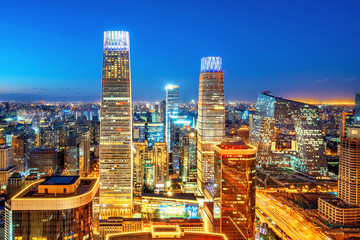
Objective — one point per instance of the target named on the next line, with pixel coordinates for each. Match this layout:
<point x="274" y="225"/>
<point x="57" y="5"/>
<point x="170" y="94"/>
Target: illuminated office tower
<point x="141" y="153"/>
<point x="211" y="117"/>
<point x="349" y="167"/>
<point x="20" y="145"/>
<point x="162" y="111"/>
<point x="43" y="161"/>
<point x="151" y="167"/>
<point x="72" y="156"/>
<point x="160" y="159"/>
<point x="116" y="191"/>
<point x="139" y="131"/>
<point x="345" y="210"/>
<point x="188" y="156"/>
<point x="302" y="148"/>
<point x="85" y="153"/>
<point x="234" y="189"/>
<point x="7" y="167"/>
<point x="172" y="110"/>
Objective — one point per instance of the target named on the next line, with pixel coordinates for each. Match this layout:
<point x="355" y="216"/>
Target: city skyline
<point x="294" y="48"/>
<point x="228" y="120"/>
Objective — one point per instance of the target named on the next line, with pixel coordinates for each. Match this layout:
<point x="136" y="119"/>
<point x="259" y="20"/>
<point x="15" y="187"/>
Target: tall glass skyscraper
<point x="234" y="188"/>
<point x="302" y="125"/>
<point x="116" y="191"/>
<point x="172" y="110"/>
<point x="211" y="118"/>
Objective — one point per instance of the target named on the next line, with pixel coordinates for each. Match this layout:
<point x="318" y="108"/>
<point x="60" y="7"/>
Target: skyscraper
<point x="7" y="167"/>
<point x="116" y="191"/>
<point x="234" y="188"/>
<point x="211" y="117"/>
<point x="348" y="188"/>
<point x="302" y="147"/>
<point x="72" y="155"/>
<point x="172" y="110"/>
<point x="345" y="210"/>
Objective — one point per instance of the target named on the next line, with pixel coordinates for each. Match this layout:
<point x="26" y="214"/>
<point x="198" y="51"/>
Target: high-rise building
<point x="349" y="166"/>
<point x="160" y="159"/>
<point x="60" y="207"/>
<point x="162" y="111"/>
<point x="116" y="191"/>
<point x="172" y="110"/>
<point x="345" y="210"/>
<point x="72" y="156"/>
<point x="211" y="117"/>
<point x="188" y="156"/>
<point x="347" y="121"/>
<point x="234" y="189"/>
<point x="141" y="153"/>
<point x="139" y="132"/>
<point x="7" y="167"/>
<point x="21" y="150"/>
<point x="85" y="153"/>
<point x="155" y="133"/>
<point x="151" y="167"/>
<point x="43" y="161"/>
<point x="301" y="145"/>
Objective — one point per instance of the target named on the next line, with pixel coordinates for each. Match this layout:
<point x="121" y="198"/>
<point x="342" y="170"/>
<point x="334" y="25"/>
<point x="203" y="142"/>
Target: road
<point x="288" y="220"/>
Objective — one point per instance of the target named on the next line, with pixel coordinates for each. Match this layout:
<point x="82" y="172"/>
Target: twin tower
<point x="116" y="163"/>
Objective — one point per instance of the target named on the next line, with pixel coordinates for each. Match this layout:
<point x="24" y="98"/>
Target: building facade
<point x="349" y="167"/>
<point x="172" y="110"/>
<point x="85" y="153"/>
<point x="42" y="161"/>
<point x="60" y="207"/>
<point x="155" y="133"/>
<point x="234" y="189"/>
<point x="345" y="210"/>
<point x="7" y="167"/>
<point x="116" y="160"/>
<point x="151" y="166"/>
<point x="73" y="163"/>
<point x="211" y="118"/>
<point x="301" y="145"/>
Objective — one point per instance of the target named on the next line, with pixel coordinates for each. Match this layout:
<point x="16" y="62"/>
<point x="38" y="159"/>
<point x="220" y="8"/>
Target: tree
<point x="157" y="213"/>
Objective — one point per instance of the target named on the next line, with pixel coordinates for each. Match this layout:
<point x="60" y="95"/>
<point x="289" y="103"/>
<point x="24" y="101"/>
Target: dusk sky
<point x="52" y="50"/>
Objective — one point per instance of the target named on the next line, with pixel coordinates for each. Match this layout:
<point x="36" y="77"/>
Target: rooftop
<point x="32" y="191"/>
<point x="60" y="180"/>
<point x="234" y="145"/>
<point x="339" y="203"/>
<point x="166" y="234"/>
<point x="174" y="196"/>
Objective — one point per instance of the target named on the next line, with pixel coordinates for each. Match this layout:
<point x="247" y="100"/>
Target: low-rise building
<point x="59" y="207"/>
<point x="165" y="233"/>
<point x="339" y="212"/>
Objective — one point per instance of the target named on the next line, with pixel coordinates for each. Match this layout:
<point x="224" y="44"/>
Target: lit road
<point x="292" y="223"/>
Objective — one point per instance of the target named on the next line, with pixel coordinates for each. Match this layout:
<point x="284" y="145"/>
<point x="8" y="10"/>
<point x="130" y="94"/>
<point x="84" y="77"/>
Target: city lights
<point x="228" y="120"/>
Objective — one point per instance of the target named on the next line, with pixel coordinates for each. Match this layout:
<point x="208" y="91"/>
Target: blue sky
<point x="52" y="50"/>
